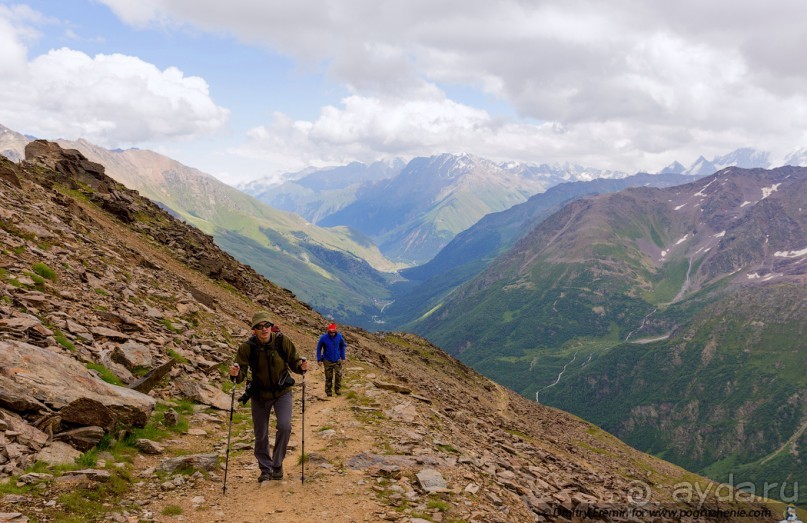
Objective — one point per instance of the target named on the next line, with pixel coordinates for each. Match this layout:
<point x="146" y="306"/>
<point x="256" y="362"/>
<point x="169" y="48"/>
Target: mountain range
<point x="316" y="193"/>
<point x="425" y="286"/>
<point x="335" y="269"/>
<point x="118" y="323"/>
<point x="672" y="317"/>
<point x="413" y="210"/>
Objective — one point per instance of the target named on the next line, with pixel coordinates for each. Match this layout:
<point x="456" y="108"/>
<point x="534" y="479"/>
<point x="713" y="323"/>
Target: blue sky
<point x="255" y="88"/>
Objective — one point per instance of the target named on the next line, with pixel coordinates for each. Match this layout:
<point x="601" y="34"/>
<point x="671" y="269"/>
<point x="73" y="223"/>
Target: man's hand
<point x="304" y="365"/>
<point x="234" y="370"/>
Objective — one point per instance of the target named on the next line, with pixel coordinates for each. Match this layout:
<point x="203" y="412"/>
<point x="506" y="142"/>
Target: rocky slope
<point x="97" y="282"/>
<point x="334" y="269"/>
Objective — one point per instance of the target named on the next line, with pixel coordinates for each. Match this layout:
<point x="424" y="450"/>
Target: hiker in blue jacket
<point x="331" y="353"/>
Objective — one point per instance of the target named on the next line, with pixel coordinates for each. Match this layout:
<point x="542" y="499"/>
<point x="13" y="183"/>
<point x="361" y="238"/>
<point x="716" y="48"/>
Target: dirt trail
<point x="331" y="491"/>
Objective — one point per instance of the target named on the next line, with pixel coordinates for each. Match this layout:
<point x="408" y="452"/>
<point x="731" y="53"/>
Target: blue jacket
<point x="331" y="349"/>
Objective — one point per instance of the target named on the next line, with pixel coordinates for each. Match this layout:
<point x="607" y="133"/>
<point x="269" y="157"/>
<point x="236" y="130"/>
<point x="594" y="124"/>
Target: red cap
<point x="332" y="327"/>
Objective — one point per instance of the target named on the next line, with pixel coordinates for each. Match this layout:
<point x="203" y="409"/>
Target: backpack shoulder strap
<point x="279" y="347"/>
<point x="253" y="356"/>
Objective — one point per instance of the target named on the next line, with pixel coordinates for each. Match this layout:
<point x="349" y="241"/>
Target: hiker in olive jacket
<point x="270" y="356"/>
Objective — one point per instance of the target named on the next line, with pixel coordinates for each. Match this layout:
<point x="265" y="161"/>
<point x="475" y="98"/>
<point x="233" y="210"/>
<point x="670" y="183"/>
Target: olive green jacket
<point x="271" y="365"/>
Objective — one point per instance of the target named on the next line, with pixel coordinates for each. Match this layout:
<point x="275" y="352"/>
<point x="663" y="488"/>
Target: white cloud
<point x="138" y="14"/>
<point x="112" y="100"/>
<point x="13" y="32"/>
<point x="369" y="128"/>
<point x="622" y="84"/>
<point x="642" y="80"/>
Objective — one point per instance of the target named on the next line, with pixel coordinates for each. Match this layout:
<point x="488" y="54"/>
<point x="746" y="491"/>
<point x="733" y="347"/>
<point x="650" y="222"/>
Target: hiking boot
<point x="328" y="394"/>
<point x="265" y="476"/>
<point x="277" y="474"/>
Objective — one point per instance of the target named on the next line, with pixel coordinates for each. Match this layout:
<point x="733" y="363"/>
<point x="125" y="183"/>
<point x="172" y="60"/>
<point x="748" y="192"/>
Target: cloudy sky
<point x="248" y="88"/>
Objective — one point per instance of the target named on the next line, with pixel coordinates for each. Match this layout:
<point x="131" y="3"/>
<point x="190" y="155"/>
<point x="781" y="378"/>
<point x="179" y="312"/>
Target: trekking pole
<point x="302" y="456"/>
<point x="229" y="432"/>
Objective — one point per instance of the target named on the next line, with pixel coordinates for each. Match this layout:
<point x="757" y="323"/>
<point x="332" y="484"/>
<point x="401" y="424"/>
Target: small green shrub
<point x="44" y="271"/>
<point x="89" y="459"/>
<point x="38" y="280"/>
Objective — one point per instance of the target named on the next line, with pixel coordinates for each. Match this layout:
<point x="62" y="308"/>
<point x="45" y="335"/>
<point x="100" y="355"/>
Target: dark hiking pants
<point x="333" y="376"/>
<point x="260" y="419"/>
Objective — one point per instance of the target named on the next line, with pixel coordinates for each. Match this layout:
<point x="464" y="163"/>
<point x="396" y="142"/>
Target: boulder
<point x="431" y="481"/>
<point x="132" y="355"/>
<point x="58" y="453"/>
<point x="206" y="462"/>
<point x="59" y="381"/>
<point x="88" y="412"/>
<point x="106" y="358"/>
<point x="82" y="438"/>
<point x="19" y="431"/>
<point x="147" y="382"/>
<point x="204" y="393"/>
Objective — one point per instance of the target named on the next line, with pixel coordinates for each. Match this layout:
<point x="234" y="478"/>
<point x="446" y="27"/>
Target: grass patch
<point x="171" y="510"/>
<point x="39" y="281"/>
<point x="105" y="374"/>
<point x="62" y="340"/>
<point x="174" y="355"/>
<point x="438" y="504"/>
<point x="170" y="326"/>
<point x="44" y="271"/>
<point x="12" y="488"/>
<point x="92" y="504"/>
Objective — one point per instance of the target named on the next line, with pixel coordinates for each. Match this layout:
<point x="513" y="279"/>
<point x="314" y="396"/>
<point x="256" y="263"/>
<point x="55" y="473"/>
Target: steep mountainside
<point x="97" y="282"/>
<point x="673" y="317"/>
<point x="412" y="210"/>
<point x="317" y="193"/>
<point x="412" y="216"/>
<point x="334" y="269"/>
<point x="427" y="285"/>
<point x="12" y="144"/>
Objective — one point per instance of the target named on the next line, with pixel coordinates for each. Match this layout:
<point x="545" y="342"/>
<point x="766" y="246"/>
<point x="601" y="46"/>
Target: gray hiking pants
<point x="260" y="421"/>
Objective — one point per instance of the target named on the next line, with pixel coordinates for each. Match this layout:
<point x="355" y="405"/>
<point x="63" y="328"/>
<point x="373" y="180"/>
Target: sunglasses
<point x="262" y="326"/>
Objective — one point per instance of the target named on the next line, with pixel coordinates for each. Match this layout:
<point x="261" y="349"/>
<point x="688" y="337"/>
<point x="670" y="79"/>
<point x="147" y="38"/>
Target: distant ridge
<point x="657" y="314"/>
